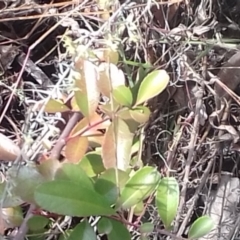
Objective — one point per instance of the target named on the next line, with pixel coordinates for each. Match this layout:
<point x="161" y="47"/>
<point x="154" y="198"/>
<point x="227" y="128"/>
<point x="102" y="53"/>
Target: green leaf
<point x="37" y="223"/>
<point x="147" y="227"/>
<point x="167" y="200"/>
<point x="201" y="227"/>
<point x="119" y="231"/>
<point x="104" y="226"/>
<point x="152" y="85"/>
<point x="68" y="198"/>
<point x="92" y="164"/>
<point x="74" y="173"/>
<point x="123" y="95"/>
<point x="139" y="209"/>
<point x="25" y="180"/>
<point x="83" y="231"/>
<point x="55" y="105"/>
<point x="139" y="187"/>
<point x="106" y="184"/>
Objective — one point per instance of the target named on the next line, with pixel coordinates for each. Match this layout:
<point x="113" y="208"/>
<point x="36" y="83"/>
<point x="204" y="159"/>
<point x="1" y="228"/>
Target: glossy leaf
<point x="141" y="185"/>
<point x="92" y="164"/>
<point x="104" y="226"/>
<point x="152" y="85"/>
<point x="55" y="106"/>
<point x="75" y="174"/>
<point x="108" y="186"/>
<point x="68" y="198"/>
<point x="201" y="227"/>
<point x="119" y="231"/>
<point x="76" y="148"/>
<point x="37" y="223"/>
<point x="123" y="95"/>
<point x="83" y="231"/>
<point x="167" y="200"/>
<point x="116" y="146"/>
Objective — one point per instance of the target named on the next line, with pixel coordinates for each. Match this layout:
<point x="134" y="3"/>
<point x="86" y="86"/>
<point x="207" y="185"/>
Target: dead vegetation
<point x="192" y="134"/>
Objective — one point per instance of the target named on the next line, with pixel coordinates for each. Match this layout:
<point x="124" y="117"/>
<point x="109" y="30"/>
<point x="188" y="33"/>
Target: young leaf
<point x="55" y="105"/>
<point x="83" y="231"/>
<point x="110" y="77"/>
<point x="153" y="84"/>
<point x="75" y="149"/>
<point x="88" y="95"/>
<point x="139" y="187"/>
<point x="117" y="144"/>
<point x="68" y="198"/>
<point x="89" y="126"/>
<point x="119" y="231"/>
<point x="201" y="227"/>
<point x="167" y="200"/>
<point x="123" y="95"/>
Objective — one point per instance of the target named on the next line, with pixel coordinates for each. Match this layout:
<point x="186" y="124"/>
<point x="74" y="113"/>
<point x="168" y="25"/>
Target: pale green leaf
<point x="201" y="227"/>
<point x="123" y="95"/>
<point x="167" y="200"/>
<point x="141" y="185"/>
<point x="55" y="105"/>
<point x="152" y="85"/>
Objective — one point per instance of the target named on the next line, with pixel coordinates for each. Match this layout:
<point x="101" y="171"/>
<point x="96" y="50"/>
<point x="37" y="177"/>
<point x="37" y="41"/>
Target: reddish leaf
<point x="76" y="148"/>
<point x="89" y="127"/>
<point x="110" y="77"/>
<point x="109" y="149"/>
<point x="87" y="96"/>
<point x="116" y="147"/>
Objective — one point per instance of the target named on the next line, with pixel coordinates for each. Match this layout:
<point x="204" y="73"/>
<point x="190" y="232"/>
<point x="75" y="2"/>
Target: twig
<point x="55" y="153"/>
<point x="24" y="228"/>
<point x="196" y="195"/>
<point x="190" y="157"/>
